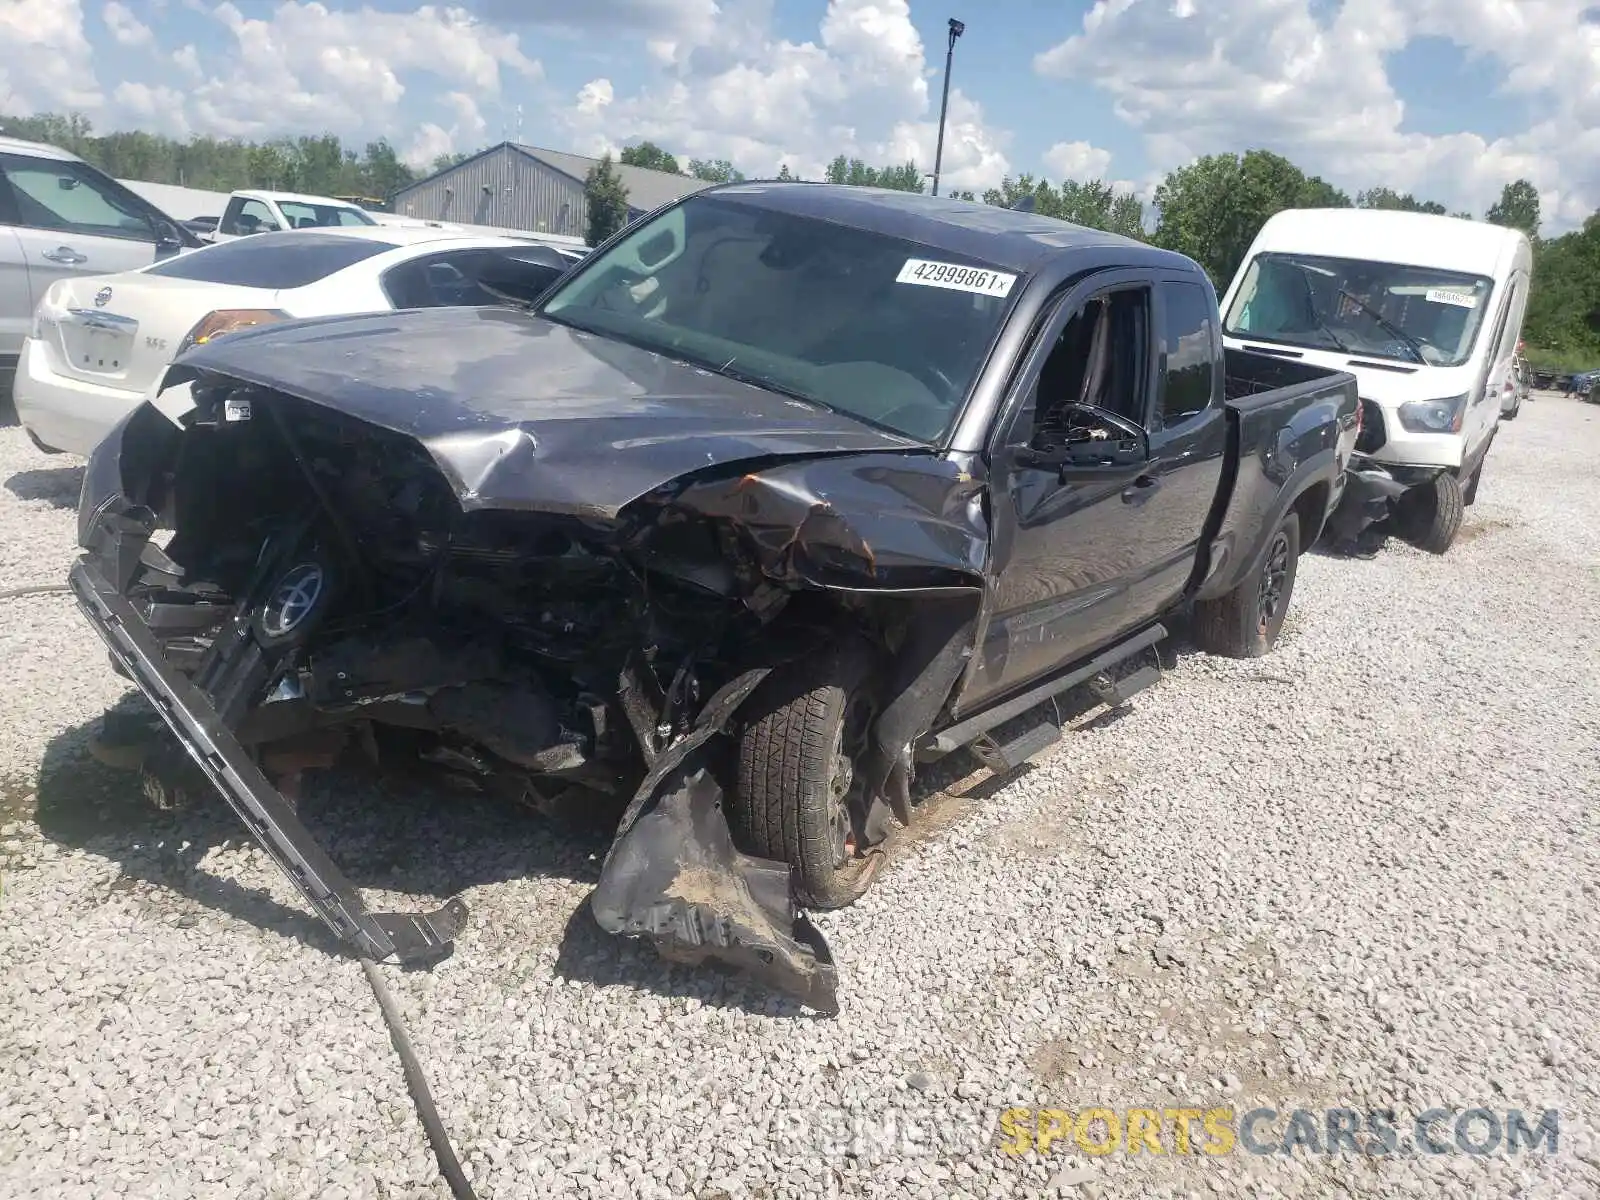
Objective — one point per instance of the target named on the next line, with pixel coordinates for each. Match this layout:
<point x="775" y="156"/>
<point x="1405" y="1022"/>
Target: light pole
<point x="956" y="30"/>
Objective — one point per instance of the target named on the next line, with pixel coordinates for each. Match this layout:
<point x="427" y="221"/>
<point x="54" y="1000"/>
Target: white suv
<point x="61" y="217"/>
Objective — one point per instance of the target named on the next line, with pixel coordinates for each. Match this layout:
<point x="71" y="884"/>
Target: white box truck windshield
<point x="1426" y="312"/>
<point x="1353" y="306"/>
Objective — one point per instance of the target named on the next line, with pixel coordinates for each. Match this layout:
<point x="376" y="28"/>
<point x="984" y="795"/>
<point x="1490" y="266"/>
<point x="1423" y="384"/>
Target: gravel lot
<point x="1359" y="873"/>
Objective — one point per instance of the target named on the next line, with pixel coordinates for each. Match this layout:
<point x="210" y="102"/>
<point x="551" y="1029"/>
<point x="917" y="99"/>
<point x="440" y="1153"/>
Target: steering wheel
<point x="938" y="382"/>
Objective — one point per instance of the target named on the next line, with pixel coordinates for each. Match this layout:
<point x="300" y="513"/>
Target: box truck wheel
<point x="1246" y="622"/>
<point x="1429" y="515"/>
<point x="791" y="802"/>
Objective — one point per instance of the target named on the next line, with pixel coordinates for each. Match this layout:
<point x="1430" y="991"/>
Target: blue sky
<point x="1449" y="99"/>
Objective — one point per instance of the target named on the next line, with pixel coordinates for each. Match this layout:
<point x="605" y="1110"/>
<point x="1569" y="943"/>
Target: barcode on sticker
<point x="978" y="280"/>
<point x="236" y="410"/>
<point x="1446" y="296"/>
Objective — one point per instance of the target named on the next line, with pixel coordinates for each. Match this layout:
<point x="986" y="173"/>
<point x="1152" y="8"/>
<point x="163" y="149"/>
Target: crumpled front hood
<point x="523" y="413"/>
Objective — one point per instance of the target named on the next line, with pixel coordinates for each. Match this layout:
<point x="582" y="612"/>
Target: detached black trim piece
<point x="407" y="937"/>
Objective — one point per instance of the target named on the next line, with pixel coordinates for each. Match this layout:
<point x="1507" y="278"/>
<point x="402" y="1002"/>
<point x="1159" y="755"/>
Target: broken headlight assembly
<point x="1434" y="416"/>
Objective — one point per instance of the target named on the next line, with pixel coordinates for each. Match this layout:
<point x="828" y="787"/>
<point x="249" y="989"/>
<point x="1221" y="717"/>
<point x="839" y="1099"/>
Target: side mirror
<point x="1127" y="453"/>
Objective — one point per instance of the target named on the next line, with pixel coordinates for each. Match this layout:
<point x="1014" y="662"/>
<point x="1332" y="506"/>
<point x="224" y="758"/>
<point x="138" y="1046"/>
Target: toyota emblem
<point x="293" y="600"/>
<point x="102" y="297"/>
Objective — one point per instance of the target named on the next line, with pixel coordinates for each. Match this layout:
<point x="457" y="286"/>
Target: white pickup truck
<point x="253" y="211"/>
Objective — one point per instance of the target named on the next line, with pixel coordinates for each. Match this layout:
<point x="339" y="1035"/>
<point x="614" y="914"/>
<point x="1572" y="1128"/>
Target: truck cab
<point x="256" y="211"/>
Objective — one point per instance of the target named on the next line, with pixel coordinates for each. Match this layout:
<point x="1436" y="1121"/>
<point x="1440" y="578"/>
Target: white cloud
<point x="124" y="26"/>
<point x="46" y="64"/>
<point x="157" y="109"/>
<point x="1199" y="78"/>
<point x="306" y="66"/>
<point x="1077" y="160"/>
<point x="594" y="96"/>
<point x="731" y="89"/>
<point x="464" y="133"/>
<point x="187" y="59"/>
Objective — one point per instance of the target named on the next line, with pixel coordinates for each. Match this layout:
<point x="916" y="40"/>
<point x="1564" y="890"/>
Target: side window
<point x="455" y="279"/>
<point x="248" y="216"/>
<point x="1513" y="327"/>
<point x="1191" y="353"/>
<point x="72" y="198"/>
<point x="1099" y="360"/>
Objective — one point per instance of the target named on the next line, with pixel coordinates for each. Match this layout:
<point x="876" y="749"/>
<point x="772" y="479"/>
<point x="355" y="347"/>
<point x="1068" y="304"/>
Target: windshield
<point x="879" y="328"/>
<point x="301" y="215"/>
<point x="1380" y="310"/>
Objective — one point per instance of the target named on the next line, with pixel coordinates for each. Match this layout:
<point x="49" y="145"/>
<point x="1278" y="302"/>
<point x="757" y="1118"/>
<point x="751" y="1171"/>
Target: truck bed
<point x="1286" y="420"/>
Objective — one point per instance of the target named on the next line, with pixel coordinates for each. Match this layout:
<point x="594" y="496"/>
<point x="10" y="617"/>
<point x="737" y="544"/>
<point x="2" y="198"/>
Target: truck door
<point x="1073" y="543"/>
<point x="1188" y="436"/>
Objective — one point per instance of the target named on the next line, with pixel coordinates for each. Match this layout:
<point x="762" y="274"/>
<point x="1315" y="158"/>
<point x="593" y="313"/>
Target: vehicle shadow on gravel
<point x="388" y="835"/>
<point x="406" y="834"/>
<point x="59" y="485"/>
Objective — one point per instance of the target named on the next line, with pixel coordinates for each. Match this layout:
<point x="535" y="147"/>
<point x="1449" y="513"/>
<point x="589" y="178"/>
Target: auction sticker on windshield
<point x="1445" y="296"/>
<point x="956" y="278"/>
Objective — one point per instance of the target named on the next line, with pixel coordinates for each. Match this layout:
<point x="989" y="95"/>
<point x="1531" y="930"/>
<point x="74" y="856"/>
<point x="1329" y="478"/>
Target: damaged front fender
<point x="673" y="876"/>
<point x="877" y="522"/>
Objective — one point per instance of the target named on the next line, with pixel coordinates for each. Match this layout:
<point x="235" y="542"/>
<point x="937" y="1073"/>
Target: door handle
<point x="65" y="254"/>
<point x="1141" y="489"/>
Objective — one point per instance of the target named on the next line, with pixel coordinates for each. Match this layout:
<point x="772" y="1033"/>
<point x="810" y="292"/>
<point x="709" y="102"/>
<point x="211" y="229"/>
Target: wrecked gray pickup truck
<point x="785" y="489"/>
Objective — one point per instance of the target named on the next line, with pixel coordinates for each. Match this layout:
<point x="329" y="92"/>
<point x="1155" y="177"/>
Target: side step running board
<point x="1116" y="693"/>
<point x="964" y="733"/>
<point x="408" y="937"/>
<point x="1011" y="755"/>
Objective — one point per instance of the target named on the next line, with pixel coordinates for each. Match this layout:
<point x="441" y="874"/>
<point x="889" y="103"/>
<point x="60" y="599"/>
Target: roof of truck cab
<point x="1002" y="237"/>
<point x="1383" y="235"/>
<point x="11" y="145"/>
<point x="292" y="198"/>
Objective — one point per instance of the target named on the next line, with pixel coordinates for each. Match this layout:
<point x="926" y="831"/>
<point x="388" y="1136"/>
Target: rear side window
<point x="453" y="279"/>
<point x="1191" y="353"/>
<point x="272" y="260"/>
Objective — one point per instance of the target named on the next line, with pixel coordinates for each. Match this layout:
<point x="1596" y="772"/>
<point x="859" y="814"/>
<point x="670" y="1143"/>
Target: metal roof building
<point x="528" y="188"/>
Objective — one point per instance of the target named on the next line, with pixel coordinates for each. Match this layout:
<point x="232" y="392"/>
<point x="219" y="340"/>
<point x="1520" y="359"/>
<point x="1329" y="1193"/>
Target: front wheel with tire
<point x="1246" y="622"/>
<point x="796" y="774"/>
<point x="1430" y="515"/>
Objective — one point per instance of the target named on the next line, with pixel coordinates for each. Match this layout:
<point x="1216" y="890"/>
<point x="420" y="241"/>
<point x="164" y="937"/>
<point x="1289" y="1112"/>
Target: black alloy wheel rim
<point x="1269" y="599"/>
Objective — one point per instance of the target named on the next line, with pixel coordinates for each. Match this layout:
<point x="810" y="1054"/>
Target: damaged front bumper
<point x="404" y="937"/>
<point x="1360" y="522"/>
<point x="672" y="877"/>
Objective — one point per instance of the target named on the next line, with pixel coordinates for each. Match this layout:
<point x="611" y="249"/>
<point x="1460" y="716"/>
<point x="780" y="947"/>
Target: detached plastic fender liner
<point x="673" y="875"/>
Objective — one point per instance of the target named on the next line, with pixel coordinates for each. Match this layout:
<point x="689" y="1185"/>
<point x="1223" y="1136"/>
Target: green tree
<point x="1517" y="208"/>
<point x="607" y="201"/>
<point x="718" y="170"/>
<point x="1564" y="305"/>
<point x="856" y="173"/>
<point x="650" y="156"/>
<point x="1388" y="198"/>
<point x="1094" y="204"/>
<point x="784" y="173"/>
<point x="381" y="172"/>
<point x="1212" y="209"/>
<point x="443" y="162"/>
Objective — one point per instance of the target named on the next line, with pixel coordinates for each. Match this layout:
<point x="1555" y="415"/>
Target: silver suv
<point x="60" y="216"/>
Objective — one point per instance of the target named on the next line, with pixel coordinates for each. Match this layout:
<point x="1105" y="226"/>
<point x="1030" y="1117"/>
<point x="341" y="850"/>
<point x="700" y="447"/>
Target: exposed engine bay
<point x="323" y="574"/>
